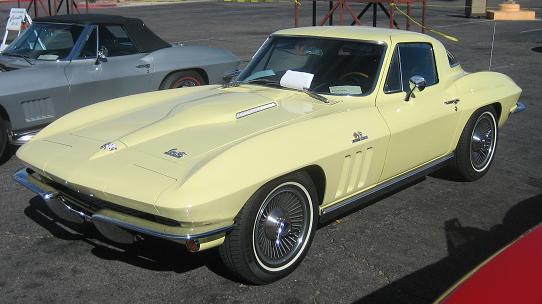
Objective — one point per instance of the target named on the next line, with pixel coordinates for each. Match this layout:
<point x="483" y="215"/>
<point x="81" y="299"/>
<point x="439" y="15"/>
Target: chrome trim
<point x="357" y="200"/>
<point x="58" y="205"/>
<point x="255" y="110"/>
<point x="21" y="177"/>
<point x="168" y="236"/>
<point x="520" y="107"/>
<point x="22" y="138"/>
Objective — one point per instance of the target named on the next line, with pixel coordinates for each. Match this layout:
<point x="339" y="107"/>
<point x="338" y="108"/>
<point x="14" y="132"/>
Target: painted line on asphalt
<point x="529" y="31"/>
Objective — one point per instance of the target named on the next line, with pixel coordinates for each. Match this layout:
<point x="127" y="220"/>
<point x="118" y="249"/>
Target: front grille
<point x="94" y="204"/>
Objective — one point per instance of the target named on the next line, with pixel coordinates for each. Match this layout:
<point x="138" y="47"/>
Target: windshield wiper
<point x="19" y="56"/>
<point x="316" y="96"/>
<point x="263" y="81"/>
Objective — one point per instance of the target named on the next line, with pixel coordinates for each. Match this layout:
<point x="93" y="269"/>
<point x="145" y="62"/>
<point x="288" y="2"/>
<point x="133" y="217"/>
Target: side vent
<point x="38" y="109"/>
<point x="354" y="172"/>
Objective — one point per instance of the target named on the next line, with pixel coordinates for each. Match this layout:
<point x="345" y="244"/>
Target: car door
<point x="122" y="71"/>
<point x="421" y="127"/>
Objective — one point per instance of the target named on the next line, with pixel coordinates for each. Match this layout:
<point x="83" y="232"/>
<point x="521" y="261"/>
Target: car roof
<point x="85" y="19"/>
<point x="352" y="32"/>
<point x="144" y="39"/>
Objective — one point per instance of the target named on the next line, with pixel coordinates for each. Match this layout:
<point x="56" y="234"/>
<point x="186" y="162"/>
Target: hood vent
<point x="255" y="110"/>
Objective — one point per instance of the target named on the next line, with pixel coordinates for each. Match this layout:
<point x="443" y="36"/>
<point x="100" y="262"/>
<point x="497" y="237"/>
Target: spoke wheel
<point x="477" y="145"/>
<point x="273" y="230"/>
<point x="281" y="226"/>
<point x="482" y="142"/>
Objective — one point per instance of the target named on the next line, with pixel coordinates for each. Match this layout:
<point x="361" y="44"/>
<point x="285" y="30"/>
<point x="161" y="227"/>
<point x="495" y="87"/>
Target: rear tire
<point x="477" y="144"/>
<point x="182" y="79"/>
<point x="273" y="231"/>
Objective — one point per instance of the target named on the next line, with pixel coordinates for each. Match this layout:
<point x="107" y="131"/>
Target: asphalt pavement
<point x="408" y="247"/>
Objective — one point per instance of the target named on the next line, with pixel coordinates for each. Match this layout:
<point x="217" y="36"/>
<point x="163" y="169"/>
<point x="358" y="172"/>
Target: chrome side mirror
<point x="231" y="76"/>
<point x="419" y="83"/>
<point x="103" y="52"/>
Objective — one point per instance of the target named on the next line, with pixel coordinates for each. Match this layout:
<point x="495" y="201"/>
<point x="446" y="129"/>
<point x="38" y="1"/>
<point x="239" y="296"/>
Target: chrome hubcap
<point x="482" y="142"/>
<point x="186" y="83"/>
<point x="281" y="226"/>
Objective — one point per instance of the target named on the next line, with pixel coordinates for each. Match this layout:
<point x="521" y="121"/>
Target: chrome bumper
<point x="116" y="226"/>
<point x="19" y="139"/>
<point x="520" y="107"/>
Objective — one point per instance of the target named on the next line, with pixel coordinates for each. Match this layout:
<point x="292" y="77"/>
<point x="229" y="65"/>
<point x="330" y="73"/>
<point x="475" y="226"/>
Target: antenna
<point x="492" y="44"/>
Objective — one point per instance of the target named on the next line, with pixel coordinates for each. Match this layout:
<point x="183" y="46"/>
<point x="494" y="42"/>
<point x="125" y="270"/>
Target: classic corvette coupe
<point x="63" y="63"/>
<point x="320" y="121"/>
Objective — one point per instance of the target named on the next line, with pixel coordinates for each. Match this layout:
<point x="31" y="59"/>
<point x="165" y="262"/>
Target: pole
<point x="313" y="12"/>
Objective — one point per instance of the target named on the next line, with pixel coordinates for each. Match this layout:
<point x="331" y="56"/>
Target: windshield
<point x="340" y="67"/>
<point x="45" y="41"/>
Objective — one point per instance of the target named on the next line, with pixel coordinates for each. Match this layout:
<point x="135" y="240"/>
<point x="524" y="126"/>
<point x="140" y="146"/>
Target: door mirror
<point x="232" y="76"/>
<point x="419" y="83"/>
<point x="103" y="52"/>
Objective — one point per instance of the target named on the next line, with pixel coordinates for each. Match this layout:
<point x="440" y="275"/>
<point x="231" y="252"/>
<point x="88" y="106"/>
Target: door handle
<point x="453" y="101"/>
<point x="143" y="66"/>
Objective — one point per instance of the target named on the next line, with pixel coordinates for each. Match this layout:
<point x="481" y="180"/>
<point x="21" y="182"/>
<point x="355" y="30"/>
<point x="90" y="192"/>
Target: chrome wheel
<point x="483" y="139"/>
<point x="281" y="226"/>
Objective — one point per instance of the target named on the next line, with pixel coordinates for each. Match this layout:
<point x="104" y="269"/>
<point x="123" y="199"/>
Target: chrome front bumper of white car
<point x="118" y="226"/>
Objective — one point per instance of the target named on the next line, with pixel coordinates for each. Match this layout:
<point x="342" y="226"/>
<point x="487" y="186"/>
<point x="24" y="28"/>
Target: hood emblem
<point x="358" y="136"/>
<point x="255" y="110"/>
<point x="109" y="147"/>
<point x="176" y="153"/>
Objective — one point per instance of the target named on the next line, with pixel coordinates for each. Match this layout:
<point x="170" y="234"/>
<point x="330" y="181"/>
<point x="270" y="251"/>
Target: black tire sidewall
<point x="170" y="80"/>
<point x="463" y="165"/>
<point x="258" y="274"/>
<point x="3" y="137"/>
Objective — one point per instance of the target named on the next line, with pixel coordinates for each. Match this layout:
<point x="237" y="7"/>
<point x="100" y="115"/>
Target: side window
<point x="451" y="59"/>
<point x="417" y="59"/>
<point x="116" y="40"/>
<point x="89" y="49"/>
<point x="393" y="81"/>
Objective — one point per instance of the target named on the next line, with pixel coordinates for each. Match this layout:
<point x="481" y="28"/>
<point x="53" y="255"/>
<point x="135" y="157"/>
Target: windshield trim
<point x="76" y="45"/>
<point x="379" y="70"/>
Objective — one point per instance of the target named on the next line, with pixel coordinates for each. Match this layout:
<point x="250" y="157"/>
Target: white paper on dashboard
<point x="345" y="90"/>
<point x="296" y="80"/>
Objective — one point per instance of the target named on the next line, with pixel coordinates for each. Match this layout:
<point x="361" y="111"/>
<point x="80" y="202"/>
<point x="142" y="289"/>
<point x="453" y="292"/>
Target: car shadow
<point x="467" y="248"/>
<point x="8" y="154"/>
<point x="151" y="253"/>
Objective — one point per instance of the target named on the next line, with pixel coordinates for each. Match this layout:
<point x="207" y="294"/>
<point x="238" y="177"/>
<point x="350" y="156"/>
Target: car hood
<point x="199" y="125"/>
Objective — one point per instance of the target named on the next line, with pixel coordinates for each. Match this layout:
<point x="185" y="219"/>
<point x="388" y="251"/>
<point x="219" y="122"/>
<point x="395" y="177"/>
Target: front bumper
<point x="117" y="225"/>
<point x="519" y="107"/>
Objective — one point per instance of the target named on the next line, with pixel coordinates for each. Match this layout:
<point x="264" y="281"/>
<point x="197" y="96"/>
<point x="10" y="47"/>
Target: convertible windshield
<point x="45" y="41"/>
<point x="340" y="67"/>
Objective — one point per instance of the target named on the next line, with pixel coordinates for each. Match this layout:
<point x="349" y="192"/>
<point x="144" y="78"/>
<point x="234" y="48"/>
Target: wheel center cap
<point x="277" y="224"/>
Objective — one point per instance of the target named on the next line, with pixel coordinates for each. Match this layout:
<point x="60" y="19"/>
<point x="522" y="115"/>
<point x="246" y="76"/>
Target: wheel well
<point x="3" y="113"/>
<point x="200" y="71"/>
<point x="318" y="177"/>
<point x="498" y="108"/>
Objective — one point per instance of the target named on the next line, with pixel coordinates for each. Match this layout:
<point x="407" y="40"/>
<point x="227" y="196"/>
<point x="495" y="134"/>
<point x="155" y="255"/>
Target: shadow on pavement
<point x="8" y="154"/>
<point x="151" y="253"/>
<point x="467" y="247"/>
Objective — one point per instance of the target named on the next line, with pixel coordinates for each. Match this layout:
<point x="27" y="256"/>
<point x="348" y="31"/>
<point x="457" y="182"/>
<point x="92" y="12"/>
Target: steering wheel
<point x="350" y="74"/>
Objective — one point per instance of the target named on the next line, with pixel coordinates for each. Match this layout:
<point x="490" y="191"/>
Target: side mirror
<point x="232" y="76"/>
<point x="419" y="83"/>
<point x="103" y="52"/>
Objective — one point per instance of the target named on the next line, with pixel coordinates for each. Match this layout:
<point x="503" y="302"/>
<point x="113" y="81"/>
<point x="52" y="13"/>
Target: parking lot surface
<point x="408" y="247"/>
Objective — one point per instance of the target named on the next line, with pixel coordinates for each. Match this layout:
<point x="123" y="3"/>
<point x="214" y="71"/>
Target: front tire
<point x="273" y="230"/>
<point x="477" y="144"/>
<point x="182" y="79"/>
<point x="3" y="137"/>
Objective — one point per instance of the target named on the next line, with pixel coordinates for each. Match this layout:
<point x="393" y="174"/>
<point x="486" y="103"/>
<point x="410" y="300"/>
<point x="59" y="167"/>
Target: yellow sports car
<point x="321" y="120"/>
